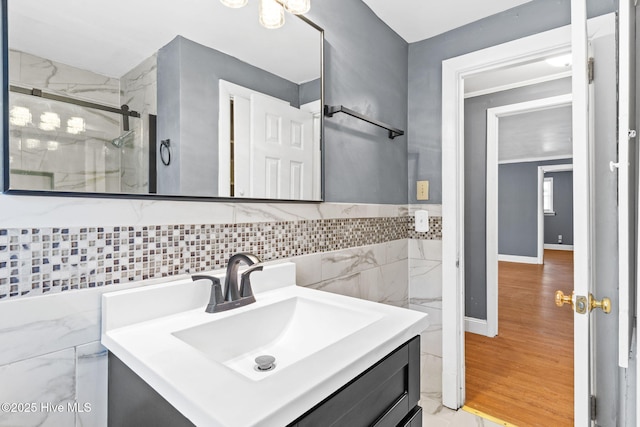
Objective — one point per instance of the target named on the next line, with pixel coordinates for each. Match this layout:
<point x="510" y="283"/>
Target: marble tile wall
<point x="55" y="336"/>
<point x="50" y="355"/>
<point x="139" y="89"/>
<point x="57" y="342"/>
<point x="425" y="294"/>
<point x="373" y="272"/>
<point x="33" y="71"/>
<point x="78" y="160"/>
<point x="37" y="387"/>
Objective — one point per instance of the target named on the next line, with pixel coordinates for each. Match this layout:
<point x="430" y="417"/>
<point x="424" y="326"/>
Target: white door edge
<point x="624" y="120"/>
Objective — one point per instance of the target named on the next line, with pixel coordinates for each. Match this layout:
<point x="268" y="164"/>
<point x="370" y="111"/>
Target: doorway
<point x="504" y="364"/>
<point x="592" y="195"/>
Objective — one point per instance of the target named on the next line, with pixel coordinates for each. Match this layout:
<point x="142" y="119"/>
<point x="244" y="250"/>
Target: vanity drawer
<point x="386" y="395"/>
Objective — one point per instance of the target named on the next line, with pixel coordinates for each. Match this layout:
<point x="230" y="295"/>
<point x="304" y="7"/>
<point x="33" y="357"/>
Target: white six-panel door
<point x="281" y="150"/>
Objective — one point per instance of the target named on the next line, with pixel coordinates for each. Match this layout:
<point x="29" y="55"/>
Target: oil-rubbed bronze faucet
<point x="233" y="296"/>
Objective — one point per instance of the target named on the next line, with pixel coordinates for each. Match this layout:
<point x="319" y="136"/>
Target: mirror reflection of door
<point x="282" y="150"/>
<point x="268" y="148"/>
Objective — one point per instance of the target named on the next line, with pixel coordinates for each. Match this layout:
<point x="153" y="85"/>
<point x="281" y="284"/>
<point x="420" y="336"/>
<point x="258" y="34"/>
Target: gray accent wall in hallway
<point x="475" y="218"/>
<point x="562" y="222"/>
<point x="365" y="70"/>
<point x="518" y="207"/>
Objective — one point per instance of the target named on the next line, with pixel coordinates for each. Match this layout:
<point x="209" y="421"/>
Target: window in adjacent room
<point x="547" y="196"/>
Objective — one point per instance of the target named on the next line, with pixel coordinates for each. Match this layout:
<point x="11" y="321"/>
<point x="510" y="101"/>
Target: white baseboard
<point x="476" y="326"/>
<point x="517" y="258"/>
<point x="558" y="247"/>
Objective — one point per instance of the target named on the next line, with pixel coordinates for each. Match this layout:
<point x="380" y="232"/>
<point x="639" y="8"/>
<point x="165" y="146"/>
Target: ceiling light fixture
<point x="75" y="125"/>
<point x="20" y="116"/>
<point x="271" y="12"/>
<point x="49" y="121"/>
<point x="297" y="7"/>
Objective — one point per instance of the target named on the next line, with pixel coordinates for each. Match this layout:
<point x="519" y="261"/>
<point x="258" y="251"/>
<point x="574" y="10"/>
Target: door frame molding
<point x="454" y="70"/>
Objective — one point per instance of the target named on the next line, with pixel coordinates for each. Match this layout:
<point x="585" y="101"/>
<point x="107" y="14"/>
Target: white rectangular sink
<point x="203" y="363"/>
<point x="289" y="330"/>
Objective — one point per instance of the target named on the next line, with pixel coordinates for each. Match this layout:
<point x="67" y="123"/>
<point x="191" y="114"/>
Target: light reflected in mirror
<point x="163" y="98"/>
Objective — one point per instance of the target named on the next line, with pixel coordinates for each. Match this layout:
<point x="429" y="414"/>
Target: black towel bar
<point x="330" y="110"/>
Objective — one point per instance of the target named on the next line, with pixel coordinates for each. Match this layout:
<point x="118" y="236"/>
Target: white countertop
<point x="211" y="394"/>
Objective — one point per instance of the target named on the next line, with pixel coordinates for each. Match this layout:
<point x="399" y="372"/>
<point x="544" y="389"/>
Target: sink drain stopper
<point x="265" y="363"/>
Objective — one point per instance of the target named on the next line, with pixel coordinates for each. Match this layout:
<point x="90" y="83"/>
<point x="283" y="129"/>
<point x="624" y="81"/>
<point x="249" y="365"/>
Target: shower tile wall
<point x="357" y="250"/>
<point x="33" y="71"/>
<point x="139" y="90"/>
<point x="93" y="165"/>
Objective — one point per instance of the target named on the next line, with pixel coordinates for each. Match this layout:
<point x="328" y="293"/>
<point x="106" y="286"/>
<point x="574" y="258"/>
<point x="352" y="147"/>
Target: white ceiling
<point x="513" y="76"/>
<point x="112" y="37"/>
<point x="112" y="40"/>
<point x="416" y="20"/>
<point x="535" y="135"/>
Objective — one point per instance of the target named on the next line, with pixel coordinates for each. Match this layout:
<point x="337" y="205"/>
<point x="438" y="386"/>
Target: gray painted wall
<point x="188" y="75"/>
<point x="366" y="70"/>
<point x="562" y="222"/>
<point x="475" y="133"/>
<point x="309" y="91"/>
<point x="425" y="75"/>
<point x="518" y="207"/>
<point x="169" y="117"/>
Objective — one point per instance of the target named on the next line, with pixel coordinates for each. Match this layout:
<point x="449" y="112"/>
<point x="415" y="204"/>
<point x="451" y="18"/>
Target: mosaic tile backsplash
<point x="36" y="261"/>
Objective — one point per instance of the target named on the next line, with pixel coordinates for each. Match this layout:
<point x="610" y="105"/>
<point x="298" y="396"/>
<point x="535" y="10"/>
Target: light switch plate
<point x="422" y="190"/>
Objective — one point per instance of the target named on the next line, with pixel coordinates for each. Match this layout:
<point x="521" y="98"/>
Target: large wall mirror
<point x="165" y="98"/>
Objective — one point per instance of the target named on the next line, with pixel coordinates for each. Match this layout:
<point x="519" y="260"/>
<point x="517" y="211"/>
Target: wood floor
<point x="525" y="375"/>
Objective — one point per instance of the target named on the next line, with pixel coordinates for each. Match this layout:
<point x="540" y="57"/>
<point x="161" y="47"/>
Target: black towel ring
<point x="165" y="147"/>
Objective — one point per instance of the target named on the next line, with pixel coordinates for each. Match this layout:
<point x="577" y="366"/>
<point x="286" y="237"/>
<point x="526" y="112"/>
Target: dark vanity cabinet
<point x="385" y="395"/>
